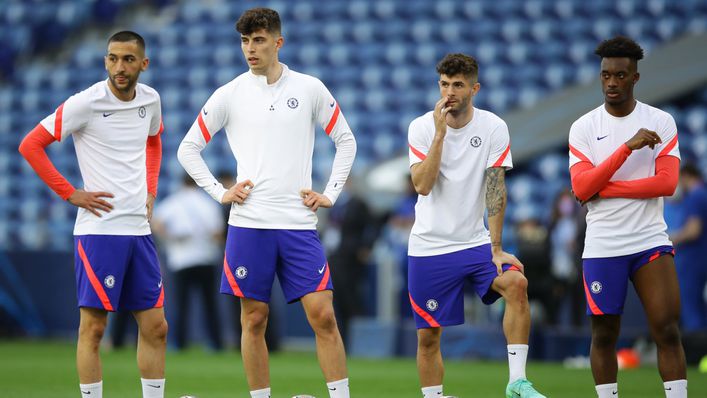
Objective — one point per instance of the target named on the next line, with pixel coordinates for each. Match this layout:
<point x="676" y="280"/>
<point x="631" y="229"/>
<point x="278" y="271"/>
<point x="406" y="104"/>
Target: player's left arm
<point x="667" y="170"/>
<point x="153" y="156"/>
<point x="496" y="209"/>
<point x="499" y="161"/>
<point x="329" y="116"/>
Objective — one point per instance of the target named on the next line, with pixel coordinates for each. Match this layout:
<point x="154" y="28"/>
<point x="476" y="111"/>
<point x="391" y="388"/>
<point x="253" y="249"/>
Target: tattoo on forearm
<point x="495" y="190"/>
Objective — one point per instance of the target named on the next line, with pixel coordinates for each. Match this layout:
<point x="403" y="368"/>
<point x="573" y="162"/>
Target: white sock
<point x="517" y="356"/>
<point x="339" y="388"/>
<point x="607" y="390"/>
<point x="152" y="388"/>
<point x="432" y="392"/>
<point x="675" y="389"/>
<point x="262" y="393"/>
<point x="93" y="390"/>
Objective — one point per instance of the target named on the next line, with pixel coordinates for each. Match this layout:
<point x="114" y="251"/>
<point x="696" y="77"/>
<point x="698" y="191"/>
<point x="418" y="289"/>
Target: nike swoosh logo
<point x="332" y="389"/>
<point x="154" y="386"/>
<point x="85" y="392"/>
<point x="614" y="393"/>
<point x="159" y="284"/>
<point x="322" y="269"/>
<point x="512" y="353"/>
<point x="669" y="389"/>
<point x="332" y="104"/>
<point x="601" y="138"/>
<point x="205" y="113"/>
<point x="107" y="114"/>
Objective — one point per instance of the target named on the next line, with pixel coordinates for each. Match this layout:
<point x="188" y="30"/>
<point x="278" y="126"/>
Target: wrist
<point x="496" y="247"/>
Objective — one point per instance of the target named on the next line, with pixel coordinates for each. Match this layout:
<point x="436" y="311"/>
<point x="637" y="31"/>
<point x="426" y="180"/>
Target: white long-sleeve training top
<point x="270" y="129"/>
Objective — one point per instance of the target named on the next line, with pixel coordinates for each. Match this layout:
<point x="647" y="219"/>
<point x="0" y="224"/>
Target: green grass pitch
<point x="47" y="369"/>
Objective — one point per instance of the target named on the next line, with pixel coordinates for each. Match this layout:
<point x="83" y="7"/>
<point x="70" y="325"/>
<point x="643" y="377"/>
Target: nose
<point x="613" y="82"/>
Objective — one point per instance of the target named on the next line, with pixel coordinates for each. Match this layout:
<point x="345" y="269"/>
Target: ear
<point x="475" y="88"/>
<point x="636" y="77"/>
<point x="279" y="42"/>
<point x="145" y="64"/>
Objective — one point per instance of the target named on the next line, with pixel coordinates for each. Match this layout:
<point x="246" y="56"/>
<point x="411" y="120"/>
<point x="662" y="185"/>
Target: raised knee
<point x="517" y="289"/>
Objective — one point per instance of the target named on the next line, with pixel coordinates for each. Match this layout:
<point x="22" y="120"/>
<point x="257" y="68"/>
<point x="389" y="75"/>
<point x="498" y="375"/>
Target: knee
<point x="604" y="339"/>
<point x="428" y="340"/>
<point x="92" y="330"/>
<point x="255" y="321"/>
<point x="667" y="334"/>
<point x="157" y="331"/>
<point x="517" y="289"/>
<point x="323" y="320"/>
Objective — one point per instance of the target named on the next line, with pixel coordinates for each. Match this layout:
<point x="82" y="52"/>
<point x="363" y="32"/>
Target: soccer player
<point x="458" y="158"/>
<point x="269" y="114"/>
<point x="623" y="159"/>
<point x="116" y="125"/>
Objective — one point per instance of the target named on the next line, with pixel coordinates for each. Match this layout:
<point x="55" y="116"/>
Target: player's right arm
<point x="211" y="119"/>
<point x="424" y="174"/>
<point x="69" y="117"/>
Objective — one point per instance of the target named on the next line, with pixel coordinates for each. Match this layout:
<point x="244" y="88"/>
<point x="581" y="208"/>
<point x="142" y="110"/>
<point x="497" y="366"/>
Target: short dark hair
<point x="619" y="47"/>
<point x="259" y="18"/>
<point x="128" y="35"/>
<point x="459" y="64"/>
<point x="691" y="170"/>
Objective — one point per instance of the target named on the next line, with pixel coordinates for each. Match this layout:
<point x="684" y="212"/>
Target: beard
<point x="130" y="82"/>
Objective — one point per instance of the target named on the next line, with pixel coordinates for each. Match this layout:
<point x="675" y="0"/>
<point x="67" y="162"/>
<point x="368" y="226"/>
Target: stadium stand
<point x="376" y="57"/>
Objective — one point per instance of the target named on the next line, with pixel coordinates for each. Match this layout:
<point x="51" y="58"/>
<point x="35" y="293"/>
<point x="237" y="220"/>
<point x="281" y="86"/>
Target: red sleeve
<point x="154" y="160"/>
<point x="663" y="183"/>
<point x="587" y="180"/>
<point x="32" y="149"/>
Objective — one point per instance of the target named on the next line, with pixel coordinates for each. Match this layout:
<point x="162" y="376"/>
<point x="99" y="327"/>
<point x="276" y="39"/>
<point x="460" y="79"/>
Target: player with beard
<point x="116" y="126"/>
<point x="459" y="155"/>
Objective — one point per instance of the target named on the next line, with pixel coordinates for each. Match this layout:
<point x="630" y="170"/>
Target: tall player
<point x="116" y="125"/>
<point x="269" y="114"/>
<point x="623" y="159"/>
<point x="458" y="154"/>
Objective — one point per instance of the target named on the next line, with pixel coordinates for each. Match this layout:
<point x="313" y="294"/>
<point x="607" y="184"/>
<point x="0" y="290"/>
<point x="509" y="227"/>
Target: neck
<point x="622" y="109"/>
<point x="272" y="73"/>
<point x="460" y="119"/>
<point x="126" y="95"/>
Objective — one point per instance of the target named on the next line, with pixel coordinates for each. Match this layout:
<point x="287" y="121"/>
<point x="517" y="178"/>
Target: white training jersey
<point x="193" y="226"/>
<point x="270" y="129"/>
<point x="622" y="226"/>
<point x="110" y="137"/>
<point x="451" y="217"/>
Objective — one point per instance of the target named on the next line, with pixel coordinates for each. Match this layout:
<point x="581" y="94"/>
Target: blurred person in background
<point x="116" y="126"/>
<point x="269" y="114"/>
<point x="532" y="244"/>
<point x="457" y="154"/>
<point x="190" y="225"/>
<point x="690" y="240"/>
<point x="564" y="243"/>
<point x="351" y="231"/>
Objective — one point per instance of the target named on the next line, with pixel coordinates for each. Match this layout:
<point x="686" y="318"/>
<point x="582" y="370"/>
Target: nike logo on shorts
<point x="107" y="114"/>
<point x="321" y="270"/>
<point x="601" y="138"/>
